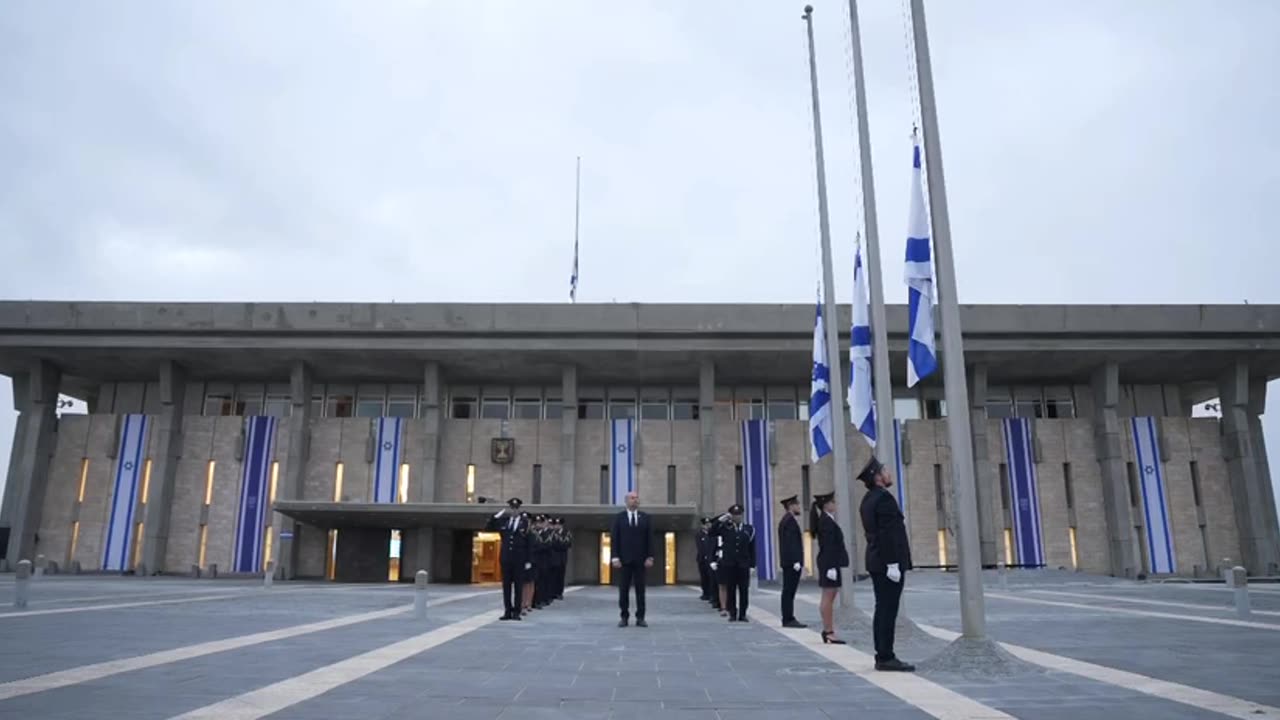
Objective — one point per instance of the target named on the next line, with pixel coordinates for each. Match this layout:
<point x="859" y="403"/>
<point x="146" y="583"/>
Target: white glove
<point x="715" y="566"/>
<point x="894" y="573"/>
<point x="796" y="567"/>
<point x="831" y="574"/>
<point x="528" y="565"/>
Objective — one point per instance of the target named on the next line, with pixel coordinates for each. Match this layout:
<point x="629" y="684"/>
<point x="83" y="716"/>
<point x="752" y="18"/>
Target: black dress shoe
<point x="895" y="665"/>
<point x="742" y="618"/>
<point x="641" y="623"/>
<point x="793" y="624"/>
<point x="622" y="623"/>
<point x="505" y="616"/>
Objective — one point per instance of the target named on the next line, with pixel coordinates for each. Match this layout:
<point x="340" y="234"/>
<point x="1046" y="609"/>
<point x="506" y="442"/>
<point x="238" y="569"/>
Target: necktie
<point x="633" y="519"/>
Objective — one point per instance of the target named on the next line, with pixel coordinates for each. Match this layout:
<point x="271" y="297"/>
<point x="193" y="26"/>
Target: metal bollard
<point x="268" y="575"/>
<point x="1238" y="580"/>
<point x="1003" y="575"/>
<point x="40" y="566"/>
<point x="21" y="584"/>
<point x="420" y="595"/>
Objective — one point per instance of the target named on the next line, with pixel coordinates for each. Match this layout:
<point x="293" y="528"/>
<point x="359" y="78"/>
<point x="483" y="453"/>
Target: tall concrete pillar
<point x="419" y="543"/>
<point x="568" y="432"/>
<point x="707" y="419"/>
<point x="985" y="476"/>
<point x="295" y="466"/>
<point x="1250" y="484"/>
<point x="1115" y="479"/>
<point x="1257" y="406"/>
<point x="35" y="397"/>
<point x="164" y="465"/>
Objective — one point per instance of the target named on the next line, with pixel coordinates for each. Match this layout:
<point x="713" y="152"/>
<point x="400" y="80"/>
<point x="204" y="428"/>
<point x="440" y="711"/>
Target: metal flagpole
<point x="577" y="198"/>
<point x="972" y="604"/>
<point x="844" y="511"/>
<point x="886" y="449"/>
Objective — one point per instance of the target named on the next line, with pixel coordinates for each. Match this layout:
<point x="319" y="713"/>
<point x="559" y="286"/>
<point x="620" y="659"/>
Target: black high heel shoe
<point x="829" y="638"/>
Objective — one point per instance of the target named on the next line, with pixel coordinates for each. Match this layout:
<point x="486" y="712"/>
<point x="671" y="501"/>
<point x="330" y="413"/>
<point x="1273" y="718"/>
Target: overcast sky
<point x="1096" y="152"/>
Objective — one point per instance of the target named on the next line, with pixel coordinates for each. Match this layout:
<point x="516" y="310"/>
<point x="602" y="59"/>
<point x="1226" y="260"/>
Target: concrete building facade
<point x="1075" y="410"/>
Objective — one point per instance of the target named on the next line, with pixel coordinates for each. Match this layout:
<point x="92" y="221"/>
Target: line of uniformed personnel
<point x="534" y="553"/>
<point x="726" y="560"/>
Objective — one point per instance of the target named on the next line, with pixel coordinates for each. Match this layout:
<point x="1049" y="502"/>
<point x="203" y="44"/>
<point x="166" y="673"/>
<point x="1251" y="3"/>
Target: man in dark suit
<point x="514" y="556"/>
<point x="791" y="555"/>
<point x="630" y="555"/>
<point x="888" y="558"/>
<point x="737" y="560"/>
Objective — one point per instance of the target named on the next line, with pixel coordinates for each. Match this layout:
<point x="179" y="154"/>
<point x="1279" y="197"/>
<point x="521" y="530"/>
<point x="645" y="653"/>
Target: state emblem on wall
<point x="502" y="450"/>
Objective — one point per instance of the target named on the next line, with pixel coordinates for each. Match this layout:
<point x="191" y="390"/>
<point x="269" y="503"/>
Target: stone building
<point x="350" y="440"/>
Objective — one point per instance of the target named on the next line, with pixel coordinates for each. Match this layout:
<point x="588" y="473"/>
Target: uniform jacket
<point x="738" y="545"/>
<point x="790" y="542"/>
<point x="831" y="550"/>
<point x="885" y="530"/>
<point x="516" y="538"/>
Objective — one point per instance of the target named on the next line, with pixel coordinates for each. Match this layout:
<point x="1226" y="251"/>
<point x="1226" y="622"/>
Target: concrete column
<point x="1250" y="485"/>
<point x="707" y="418"/>
<point x="432" y="409"/>
<point x="35" y="397"/>
<point x="295" y="466"/>
<point x="568" y="432"/>
<point x="984" y="471"/>
<point x="164" y="466"/>
<point x="1115" y="479"/>
<point x="1257" y="406"/>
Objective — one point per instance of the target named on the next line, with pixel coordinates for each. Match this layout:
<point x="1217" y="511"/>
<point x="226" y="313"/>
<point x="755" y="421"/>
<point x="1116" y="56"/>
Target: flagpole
<point x="882" y="385"/>
<point x="844" y="511"/>
<point x="577" y="204"/>
<point x="972" y="604"/>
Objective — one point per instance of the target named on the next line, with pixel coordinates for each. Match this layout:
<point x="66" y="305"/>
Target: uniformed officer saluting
<point x="888" y="558"/>
<point x="514" y="558"/>
<point x="737" y="560"/>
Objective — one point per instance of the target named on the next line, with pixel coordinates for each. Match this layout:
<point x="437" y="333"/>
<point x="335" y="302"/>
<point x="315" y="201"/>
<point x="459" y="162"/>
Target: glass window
<point x="463" y="407"/>
<point x="684" y="408"/>
<point x="341" y="405"/>
<point x="528" y="408"/>
<point x="620" y="409"/>
<point x="495" y="408"/>
<point x="906" y="408"/>
<point x="537" y="484"/>
<point x="317" y="406"/>
<point x="401" y="406"/>
<point x="554" y="408"/>
<point x="782" y="409"/>
<point x="249" y="401"/>
<point x="278" y="406"/>
<point x="1059" y="403"/>
<point x="753" y="410"/>
<point x="217" y="404"/>
<point x="369" y="407"/>
<point x="935" y="409"/>
<point x="655" y="410"/>
<point x="998" y="409"/>
<point x="590" y="408"/>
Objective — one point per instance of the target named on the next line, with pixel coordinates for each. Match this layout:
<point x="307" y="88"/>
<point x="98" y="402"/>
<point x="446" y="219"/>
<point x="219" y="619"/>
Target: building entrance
<point x="485" y="557"/>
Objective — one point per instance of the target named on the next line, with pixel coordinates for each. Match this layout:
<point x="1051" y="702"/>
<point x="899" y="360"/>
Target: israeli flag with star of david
<point x="386" y="468"/>
<point x="820" y="430"/>
<point x="622" y="468"/>
<point x="862" y="407"/>
<point x="1155" y="507"/>
<point x="922" y="358"/>
<point x="118" y="540"/>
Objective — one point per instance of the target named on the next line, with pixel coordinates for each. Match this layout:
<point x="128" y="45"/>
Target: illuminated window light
<point x="1008" y="547"/>
<point x="331" y="561"/>
<point x="208" y="484"/>
<point x="605" y="553"/>
<point x="204" y="537"/>
<point x="1075" y="559"/>
<point x="275" y="476"/>
<point x="84" y="476"/>
<point x="268" y="536"/>
<point x="402" y="486"/>
<point x="146" y="480"/>
<point x="138" y="537"/>
<point x="337" y="482"/>
<point x="670" y="567"/>
<point x="75" y="538"/>
<point x="393" y="551"/>
<point x="942" y="547"/>
<point x="471" y="483"/>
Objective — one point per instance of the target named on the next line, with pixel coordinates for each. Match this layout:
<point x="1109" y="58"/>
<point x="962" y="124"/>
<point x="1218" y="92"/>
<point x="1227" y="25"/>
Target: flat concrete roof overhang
<point x="615" y="343"/>
<point x="470" y="516"/>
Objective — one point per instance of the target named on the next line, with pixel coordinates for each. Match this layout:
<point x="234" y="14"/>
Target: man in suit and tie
<point x="514" y="557"/>
<point x="791" y="553"/>
<point x="888" y="559"/>
<point x="631" y="555"/>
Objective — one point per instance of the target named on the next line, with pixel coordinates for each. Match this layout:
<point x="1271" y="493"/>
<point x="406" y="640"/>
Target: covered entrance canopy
<point x="470" y="516"/>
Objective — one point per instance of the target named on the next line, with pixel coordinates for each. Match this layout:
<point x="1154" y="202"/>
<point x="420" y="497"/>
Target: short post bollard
<point x="268" y="575"/>
<point x="22" y="584"/>
<point x="1003" y="575"/>
<point x="1238" y="581"/>
<point x="420" y="595"/>
<point x="40" y="566"/>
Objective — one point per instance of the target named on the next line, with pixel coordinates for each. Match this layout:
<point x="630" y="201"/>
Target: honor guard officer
<point x="888" y="558"/>
<point x="543" y="545"/>
<point x="737" y="560"/>
<point x="832" y="556"/>
<point x="706" y="548"/>
<point x="561" y="542"/>
<point x="791" y="555"/>
<point x="513" y="525"/>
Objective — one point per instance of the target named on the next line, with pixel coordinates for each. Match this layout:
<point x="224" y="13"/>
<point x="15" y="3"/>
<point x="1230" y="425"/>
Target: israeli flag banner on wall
<point x="757" y="476"/>
<point x="900" y="477"/>
<point x="251" y="518"/>
<point x="820" y="431"/>
<point x="1024" y="493"/>
<point x="386" y="461"/>
<point x="622" y="469"/>
<point x="1150" y="468"/>
<point x="922" y="358"/>
<point x="118" y="538"/>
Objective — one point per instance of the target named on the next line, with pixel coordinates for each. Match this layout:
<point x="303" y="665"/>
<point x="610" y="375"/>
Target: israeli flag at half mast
<point x="820" y="430"/>
<point x="922" y="359"/>
<point x="862" y="410"/>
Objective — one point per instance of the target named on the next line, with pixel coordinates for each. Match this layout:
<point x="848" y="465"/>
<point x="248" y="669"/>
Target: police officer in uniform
<point x="561" y="543"/>
<point x="513" y="526"/>
<point x="791" y="555"/>
<point x="737" y="560"/>
<point x="543" y="546"/>
<point x="832" y="557"/>
<point x="888" y="558"/>
<point x="703" y="541"/>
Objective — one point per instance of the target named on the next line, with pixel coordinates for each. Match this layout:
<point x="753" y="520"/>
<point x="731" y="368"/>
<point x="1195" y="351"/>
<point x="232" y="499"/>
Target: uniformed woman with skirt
<point x="832" y="557"/>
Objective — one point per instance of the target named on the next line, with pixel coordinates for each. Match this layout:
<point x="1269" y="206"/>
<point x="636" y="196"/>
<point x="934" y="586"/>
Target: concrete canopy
<point x="469" y="516"/>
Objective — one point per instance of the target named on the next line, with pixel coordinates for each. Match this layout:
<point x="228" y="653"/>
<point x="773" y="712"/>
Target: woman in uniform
<point x="832" y="556"/>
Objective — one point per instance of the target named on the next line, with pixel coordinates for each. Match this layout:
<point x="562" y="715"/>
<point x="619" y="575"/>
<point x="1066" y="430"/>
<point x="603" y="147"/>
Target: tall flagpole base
<point x="976" y="658"/>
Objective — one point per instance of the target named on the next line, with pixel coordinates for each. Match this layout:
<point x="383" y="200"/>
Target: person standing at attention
<point x="888" y="559"/>
<point x="791" y="555"/>
<point x="514" y="557"/>
<point x="832" y="556"/>
<point x="631" y="555"/>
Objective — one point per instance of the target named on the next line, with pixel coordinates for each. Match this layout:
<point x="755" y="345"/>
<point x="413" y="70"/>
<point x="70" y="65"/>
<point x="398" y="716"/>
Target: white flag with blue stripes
<point x="862" y="410"/>
<point x="117" y="545"/>
<point x="820" y="431"/>
<point x="386" y="461"/>
<point x="922" y="359"/>
<point x="1155" y="509"/>
<point x="622" y="468"/>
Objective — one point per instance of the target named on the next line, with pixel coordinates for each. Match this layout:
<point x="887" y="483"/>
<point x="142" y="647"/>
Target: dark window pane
<point x="495" y="409"/>
<point x="554" y="409"/>
<point x="369" y="408"/>
<point x="782" y="410"/>
<point x="528" y="409"/>
<point x="463" y="408"/>
<point x="654" y="411"/>
<point x="400" y="408"/>
<point x="684" y="410"/>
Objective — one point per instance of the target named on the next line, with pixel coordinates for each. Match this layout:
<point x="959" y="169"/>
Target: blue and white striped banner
<point x="1151" y="480"/>
<point x="260" y="433"/>
<point x="900" y="477"/>
<point x="124" y="494"/>
<point x="757" y="476"/>
<point x="1024" y="492"/>
<point x="386" y="467"/>
<point x="862" y="404"/>
<point x="820" y="429"/>
<point x="622" y="468"/>
<point x="922" y="359"/>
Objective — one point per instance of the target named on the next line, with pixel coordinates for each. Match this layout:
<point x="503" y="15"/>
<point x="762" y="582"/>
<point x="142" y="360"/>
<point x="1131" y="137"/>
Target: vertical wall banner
<point x="622" y="468"/>
<point x="1024" y="493"/>
<point x="386" y="459"/>
<point x="757" y="477"/>
<point x="260" y="433"/>
<point x="900" y="477"/>
<point x="1150" y="468"/>
<point x="118" y="542"/>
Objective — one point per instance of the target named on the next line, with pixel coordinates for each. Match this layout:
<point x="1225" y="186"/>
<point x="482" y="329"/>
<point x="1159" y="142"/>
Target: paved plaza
<point x="1086" y="647"/>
